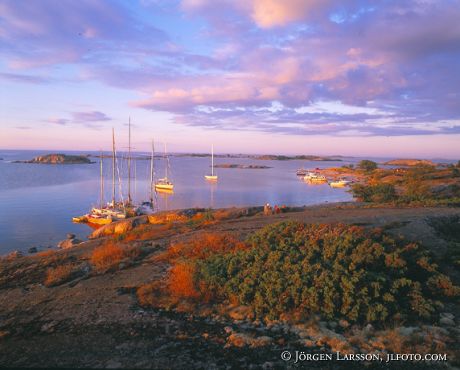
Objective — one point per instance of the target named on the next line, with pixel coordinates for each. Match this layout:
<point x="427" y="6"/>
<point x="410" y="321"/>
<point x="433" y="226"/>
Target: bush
<point x="59" y="274"/>
<point x="336" y="271"/>
<point x="378" y="193"/>
<point x="106" y="257"/>
<point x="201" y="247"/>
<point x="367" y="165"/>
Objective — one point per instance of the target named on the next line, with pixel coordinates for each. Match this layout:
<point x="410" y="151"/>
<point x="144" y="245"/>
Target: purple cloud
<point x="260" y="65"/>
<point x="87" y="118"/>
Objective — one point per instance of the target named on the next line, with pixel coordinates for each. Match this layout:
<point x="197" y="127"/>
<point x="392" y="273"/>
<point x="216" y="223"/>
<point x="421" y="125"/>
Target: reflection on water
<point x="37" y="201"/>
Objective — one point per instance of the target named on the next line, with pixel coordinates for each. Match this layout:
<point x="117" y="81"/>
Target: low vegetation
<point x="339" y="272"/>
<point x="110" y="255"/>
<point x="421" y="185"/>
<point x="448" y="228"/>
<point x="60" y="274"/>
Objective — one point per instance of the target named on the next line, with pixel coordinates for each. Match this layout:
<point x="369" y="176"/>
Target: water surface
<point x="38" y="201"/>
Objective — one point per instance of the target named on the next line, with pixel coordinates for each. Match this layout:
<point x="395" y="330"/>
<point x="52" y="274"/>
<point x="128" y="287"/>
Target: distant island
<point x="59" y="159"/>
<point x="296" y="157"/>
<point x="273" y="157"/>
<point x="410" y="162"/>
<point x="241" y="166"/>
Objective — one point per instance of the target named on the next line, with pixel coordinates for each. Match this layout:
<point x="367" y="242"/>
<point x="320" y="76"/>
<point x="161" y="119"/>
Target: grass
<point x="110" y="255"/>
<point x="60" y="274"/>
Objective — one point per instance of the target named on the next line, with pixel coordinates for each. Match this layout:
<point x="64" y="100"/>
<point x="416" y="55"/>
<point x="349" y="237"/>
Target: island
<point x="59" y="159"/>
<point x="410" y="162"/>
<point x="296" y="157"/>
<point x="241" y="166"/>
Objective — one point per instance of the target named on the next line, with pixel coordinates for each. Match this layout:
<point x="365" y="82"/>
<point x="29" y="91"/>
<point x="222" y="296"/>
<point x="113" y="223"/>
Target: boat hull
<point x="211" y="177"/>
<point x="169" y="187"/>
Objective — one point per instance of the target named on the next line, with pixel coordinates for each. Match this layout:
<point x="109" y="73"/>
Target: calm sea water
<point x="37" y="201"/>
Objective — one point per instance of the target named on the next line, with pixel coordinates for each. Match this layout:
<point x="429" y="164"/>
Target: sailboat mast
<point x="166" y="164"/>
<point x="129" y="161"/>
<point x="151" y="173"/>
<point x="102" y="184"/>
<point x="212" y="159"/>
<point x="113" y="167"/>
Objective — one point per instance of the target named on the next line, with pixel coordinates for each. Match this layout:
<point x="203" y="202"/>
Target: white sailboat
<point x="165" y="184"/>
<point x="212" y="176"/>
<point x="112" y="211"/>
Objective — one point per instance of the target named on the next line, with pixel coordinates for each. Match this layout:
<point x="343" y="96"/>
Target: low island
<point x="241" y="166"/>
<point x="59" y="159"/>
<point x="410" y="162"/>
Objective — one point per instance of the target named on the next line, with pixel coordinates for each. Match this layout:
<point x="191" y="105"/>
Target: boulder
<point x="70" y="236"/>
<point x="243" y="340"/>
<point x="119" y="227"/>
<point x="445" y="321"/>
<point x="448" y="315"/>
<point x="14" y="254"/>
<point x="69" y="243"/>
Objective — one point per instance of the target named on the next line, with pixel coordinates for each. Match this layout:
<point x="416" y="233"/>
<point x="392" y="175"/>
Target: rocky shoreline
<point x="94" y="319"/>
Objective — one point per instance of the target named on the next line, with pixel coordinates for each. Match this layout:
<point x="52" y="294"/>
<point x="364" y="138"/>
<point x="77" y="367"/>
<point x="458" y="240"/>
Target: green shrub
<point x="367" y="165"/>
<point x="336" y="271"/>
<point x="378" y="193"/>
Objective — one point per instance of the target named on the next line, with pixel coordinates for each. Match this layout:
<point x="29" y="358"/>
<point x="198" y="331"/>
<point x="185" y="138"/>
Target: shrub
<point x="367" y="165"/>
<point x="378" y="193"/>
<point x="201" y="247"/>
<point x="336" y="271"/>
<point x="181" y="280"/>
<point x="59" y="274"/>
<point x="150" y="294"/>
<point x="106" y="257"/>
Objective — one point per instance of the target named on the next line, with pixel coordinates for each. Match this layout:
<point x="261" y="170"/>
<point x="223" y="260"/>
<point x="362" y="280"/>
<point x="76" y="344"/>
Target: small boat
<point x="212" y="176"/>
<point x="165" y="183"/>
<point x="301" y="172"/>
<point x="339" y="183"/>
<point x="315" y="177"/>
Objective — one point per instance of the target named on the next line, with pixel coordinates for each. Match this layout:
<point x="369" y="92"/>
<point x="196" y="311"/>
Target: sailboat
<point x="148" y="207"/>
<point x="112" y="211"/>
<point x="212" y="176"/>
<point x="165" y="184"/>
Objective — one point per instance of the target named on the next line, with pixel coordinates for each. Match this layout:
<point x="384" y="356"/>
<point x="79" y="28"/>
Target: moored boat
<point x="212" y="176"/>
<point x="165" y="183"/>
<point x="315" y="177"/>
<point x="339" y="183"/>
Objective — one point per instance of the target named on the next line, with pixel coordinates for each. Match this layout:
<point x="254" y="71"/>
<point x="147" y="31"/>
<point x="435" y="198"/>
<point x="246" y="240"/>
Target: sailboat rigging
<point x="212" y="176"/>
<point x="165" y="183"/>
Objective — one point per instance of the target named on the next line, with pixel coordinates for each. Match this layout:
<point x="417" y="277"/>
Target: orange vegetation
<point x="181" y="282"/>
<point x="59" y="274"/>
<point x="45" y="253"/>
<point x="145" y="232"/>
<point x="110" y="255"/>
<point x="202" y="247"/>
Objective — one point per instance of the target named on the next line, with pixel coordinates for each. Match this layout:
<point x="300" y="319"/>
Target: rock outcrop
<point x="70" y="242"/>
<point x="119" y="227"/>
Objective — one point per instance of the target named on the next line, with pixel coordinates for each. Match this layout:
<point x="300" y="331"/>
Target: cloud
<point x="68" y="31"/>
<point x="272" y="13"/>
<point x="15" y="77"/>
<point x="90" y="119"/>
<point x="260" y="65"/>
<point x="93" y="116"/>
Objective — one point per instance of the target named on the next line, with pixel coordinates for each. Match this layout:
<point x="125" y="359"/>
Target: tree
<point x="367" y="165"/>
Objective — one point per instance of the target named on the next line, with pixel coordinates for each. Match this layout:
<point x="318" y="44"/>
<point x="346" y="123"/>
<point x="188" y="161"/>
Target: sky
<point x="374" y="78"/>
